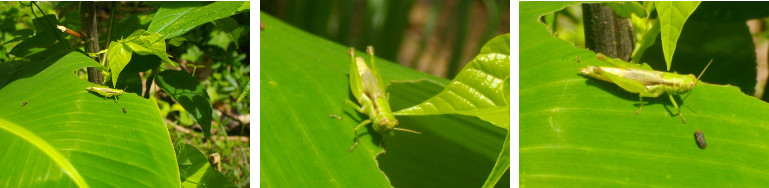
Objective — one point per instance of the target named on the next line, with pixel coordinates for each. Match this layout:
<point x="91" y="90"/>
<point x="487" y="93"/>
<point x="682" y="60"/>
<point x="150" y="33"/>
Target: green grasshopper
<point x="642" y="79"/>
<point x="106" y="91"/>
<point x="367" y="86"/>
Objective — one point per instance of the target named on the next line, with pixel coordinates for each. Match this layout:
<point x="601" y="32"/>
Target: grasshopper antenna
<point x="703" y="70"/>
<point x="407" y="130"/>
<point x="698" y="77"/>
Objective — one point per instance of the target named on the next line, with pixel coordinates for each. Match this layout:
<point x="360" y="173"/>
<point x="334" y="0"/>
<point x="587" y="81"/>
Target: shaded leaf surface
<point x="478" y="88"/>
<point x="186" y="90"/>
<point x="707" y="36"/>
<point x="45" y="37"/>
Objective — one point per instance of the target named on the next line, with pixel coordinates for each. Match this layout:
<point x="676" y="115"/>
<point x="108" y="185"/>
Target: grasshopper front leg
<point x="676" y="105"/>
<point x="357" y="137"/>
<point x="672" y="100"/>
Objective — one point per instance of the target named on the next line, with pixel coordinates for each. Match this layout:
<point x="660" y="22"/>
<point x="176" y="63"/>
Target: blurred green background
<point x="436" y="37"/>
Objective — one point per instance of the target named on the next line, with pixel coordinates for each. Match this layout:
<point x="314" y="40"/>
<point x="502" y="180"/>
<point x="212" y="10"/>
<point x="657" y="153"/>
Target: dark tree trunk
<point x="607" y="33"/>
<point x="88" y="20"/>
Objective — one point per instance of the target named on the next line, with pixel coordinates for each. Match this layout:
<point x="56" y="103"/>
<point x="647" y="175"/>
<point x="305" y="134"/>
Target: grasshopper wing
<point x="627" y="84"/>
<point x="355" y="80"/>
<point x="375" y="69"/>
<point x="622" y="64"/>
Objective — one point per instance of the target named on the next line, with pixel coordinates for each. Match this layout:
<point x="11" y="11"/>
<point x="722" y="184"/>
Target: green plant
<point x="72" y="136"/>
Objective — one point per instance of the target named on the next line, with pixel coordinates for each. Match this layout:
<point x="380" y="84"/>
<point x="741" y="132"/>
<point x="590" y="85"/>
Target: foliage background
<point x="436" y="37"/>
<point x="218" y="60"/>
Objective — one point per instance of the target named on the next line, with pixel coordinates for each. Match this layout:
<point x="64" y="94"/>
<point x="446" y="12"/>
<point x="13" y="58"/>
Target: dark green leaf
<point x="177" y="41"/>
<point x="479" y="90"/>
<point x="502" y="165"/>
<point x="46" y="36"/>
<point x="186" y="90"/>
<point x="728" y="43"/>
<point x="130" y="24"/>
<point x="231" y="27"/>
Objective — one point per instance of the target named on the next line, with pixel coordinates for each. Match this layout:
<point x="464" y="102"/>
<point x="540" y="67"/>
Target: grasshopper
<point x="367" y="86"/>
<point x="106" y="91"/>
<point x="642" y="79"/>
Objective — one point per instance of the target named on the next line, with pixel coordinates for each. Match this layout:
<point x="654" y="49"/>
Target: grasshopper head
<point x="690" y="80"/>
<point x="688" y="83"/>
<point x="384" y="124"/>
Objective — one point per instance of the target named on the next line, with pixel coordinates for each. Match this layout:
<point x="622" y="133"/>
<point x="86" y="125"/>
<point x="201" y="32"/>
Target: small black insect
<point x="124" y="110"/>
<point x="24" y="103"/>
<point x="700" y="138"/>
<point x="578" y="59"/>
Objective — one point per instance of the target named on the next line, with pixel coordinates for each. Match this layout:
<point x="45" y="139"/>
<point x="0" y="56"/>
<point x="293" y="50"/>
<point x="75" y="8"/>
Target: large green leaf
<point x="578" y="131"/>
<point x="55" y="133"/>
<point x="478" y="90"/>
<point x="176" y="18"/>
<point x="672" y="17"/>
<point x="304" y="79"/>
